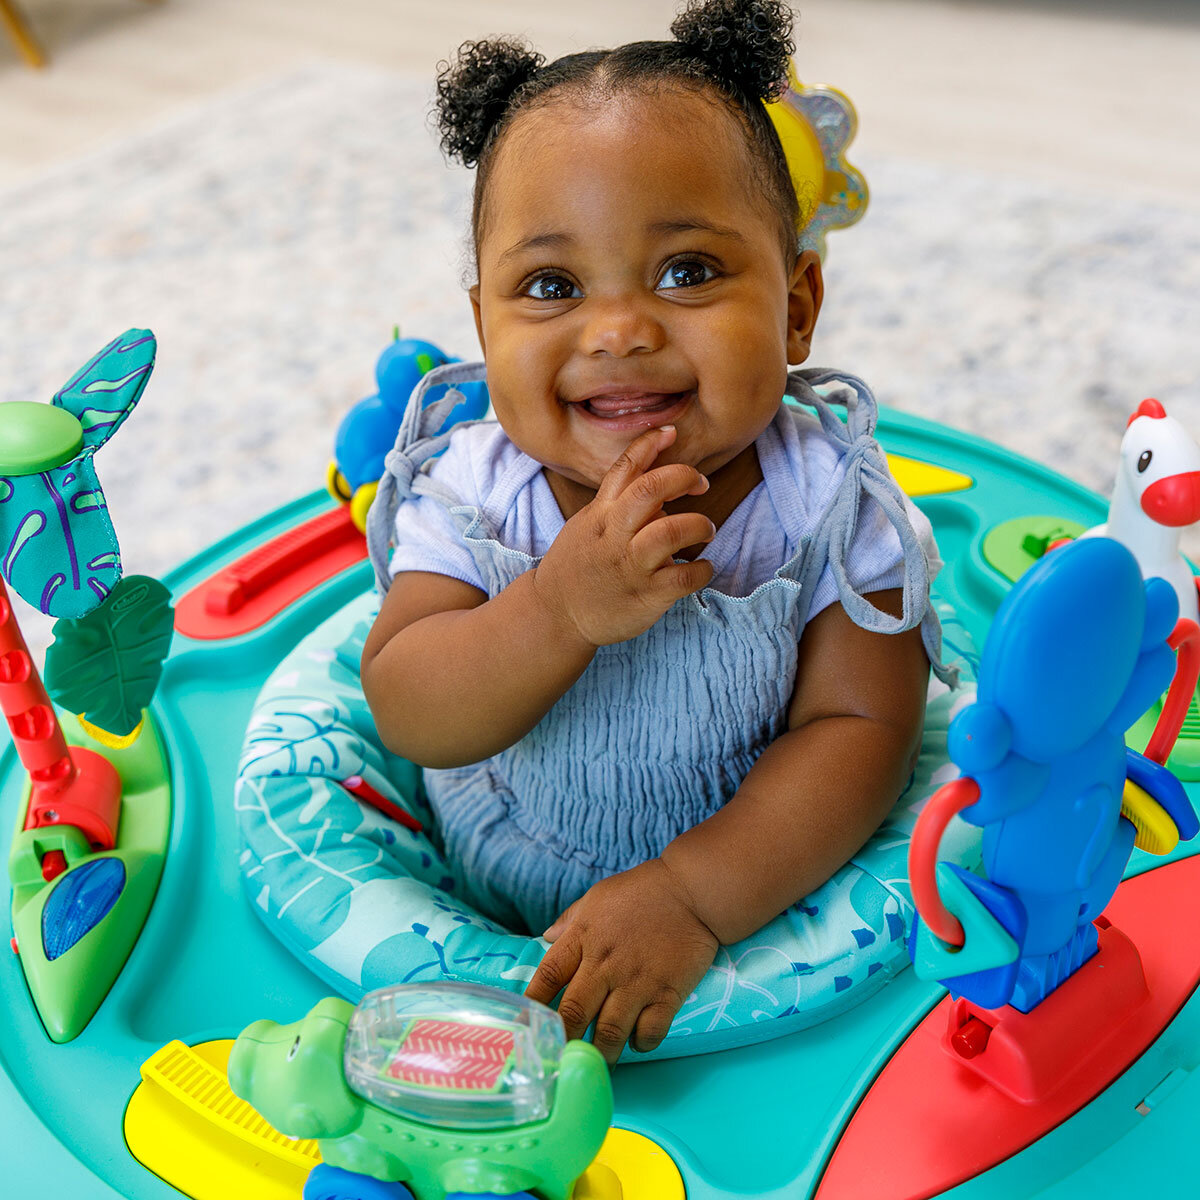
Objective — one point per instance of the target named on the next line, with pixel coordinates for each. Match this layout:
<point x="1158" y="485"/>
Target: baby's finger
<point x="676" y="580"/>
<point x="661" y="540"/>
<point x="560" y="923"/>
<point x="652" y="1026"/>
<point x="634" y="460"/>
<point x="643" y="499"/>
<point x="615" y="1023"/>
<point x="581" y="1002"/>
<point x="555" y="971"/>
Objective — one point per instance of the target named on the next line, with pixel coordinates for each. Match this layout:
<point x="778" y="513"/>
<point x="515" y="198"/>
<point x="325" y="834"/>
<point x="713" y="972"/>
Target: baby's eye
<point x="552" y="287"/>
<point x="687" y="272"/>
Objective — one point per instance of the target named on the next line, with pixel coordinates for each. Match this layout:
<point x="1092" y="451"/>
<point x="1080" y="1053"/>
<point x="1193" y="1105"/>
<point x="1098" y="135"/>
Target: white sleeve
<point x="426" y="537"/>
<point x="875" y="560"/>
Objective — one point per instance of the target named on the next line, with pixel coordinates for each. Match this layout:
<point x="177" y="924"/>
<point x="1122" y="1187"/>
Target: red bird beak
<point x="1173" y="501"/>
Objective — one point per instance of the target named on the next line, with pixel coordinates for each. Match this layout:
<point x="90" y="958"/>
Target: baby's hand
<point x="628" y="952"/>
<point x="610" y="573"/>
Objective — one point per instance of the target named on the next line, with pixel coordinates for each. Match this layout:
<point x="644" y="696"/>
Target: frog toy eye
<point x="294" y="1049"/>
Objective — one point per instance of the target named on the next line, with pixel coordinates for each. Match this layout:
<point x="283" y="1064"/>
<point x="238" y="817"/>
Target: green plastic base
<point x="68" y="989"/>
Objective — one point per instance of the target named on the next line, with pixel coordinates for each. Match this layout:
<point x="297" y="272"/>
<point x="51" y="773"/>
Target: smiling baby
<point x="672" y="652"/>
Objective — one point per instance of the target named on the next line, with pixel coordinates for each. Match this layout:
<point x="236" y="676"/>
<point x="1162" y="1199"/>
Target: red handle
<point x="1185" y="638"/>
<point x="949" y="800"/>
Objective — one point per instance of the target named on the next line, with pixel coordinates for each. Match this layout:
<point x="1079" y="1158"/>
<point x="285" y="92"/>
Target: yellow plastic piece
<point x="184" y="1124"/>
<point x="642" y="1168"/>
<point x="361" y="505"/>
<point x="831" y="192"/>
<point x="336" y="484"/>
<point x="598" y="1183"/>
<point x="918" y="478"/>
<point x="114" y="741"/>
<point x="805" y="159"/>
<point x="1156" y="832"/>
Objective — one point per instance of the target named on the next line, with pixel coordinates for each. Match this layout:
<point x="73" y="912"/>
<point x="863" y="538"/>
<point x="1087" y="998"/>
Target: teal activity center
<point x="237" y="951"/>
<point x="769" y="1118"/>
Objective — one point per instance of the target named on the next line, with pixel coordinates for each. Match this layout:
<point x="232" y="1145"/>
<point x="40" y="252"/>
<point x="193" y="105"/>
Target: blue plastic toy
<point x="1078" y="651"/>
<point x="368" y="430"/>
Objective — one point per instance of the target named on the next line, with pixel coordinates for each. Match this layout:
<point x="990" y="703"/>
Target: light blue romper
<point x="659" y="731"/>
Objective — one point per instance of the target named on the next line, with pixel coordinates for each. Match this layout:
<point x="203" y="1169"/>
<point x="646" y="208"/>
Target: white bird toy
<point x="1157" y="495"/>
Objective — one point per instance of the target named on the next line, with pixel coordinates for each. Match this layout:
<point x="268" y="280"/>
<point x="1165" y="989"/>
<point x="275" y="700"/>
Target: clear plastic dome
<point x="455" y="1054"/>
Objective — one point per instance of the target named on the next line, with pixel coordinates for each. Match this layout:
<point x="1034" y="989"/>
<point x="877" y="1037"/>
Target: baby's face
<point x="630" y="278"/>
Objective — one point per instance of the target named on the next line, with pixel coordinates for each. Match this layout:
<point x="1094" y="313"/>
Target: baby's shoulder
<point x="477" y="456"/>
<point x="816" y="459"/>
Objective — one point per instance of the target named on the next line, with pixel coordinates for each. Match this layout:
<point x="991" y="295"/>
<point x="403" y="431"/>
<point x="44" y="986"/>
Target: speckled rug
<point x="272" y="237"/>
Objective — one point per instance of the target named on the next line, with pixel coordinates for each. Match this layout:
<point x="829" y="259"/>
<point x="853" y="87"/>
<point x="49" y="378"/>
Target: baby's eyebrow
<point x="539" y="241"/>
<point x="694" y="226"/>
<point x="559" y="241"/>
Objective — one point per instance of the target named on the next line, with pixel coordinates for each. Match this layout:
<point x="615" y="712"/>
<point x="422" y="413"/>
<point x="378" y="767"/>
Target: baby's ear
<point x="805" y="293"/>
<point x="473" y="292"/>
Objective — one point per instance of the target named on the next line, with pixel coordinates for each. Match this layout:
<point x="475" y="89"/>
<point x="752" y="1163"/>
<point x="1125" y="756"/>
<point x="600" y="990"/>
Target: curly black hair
<point x="736" y="51"/>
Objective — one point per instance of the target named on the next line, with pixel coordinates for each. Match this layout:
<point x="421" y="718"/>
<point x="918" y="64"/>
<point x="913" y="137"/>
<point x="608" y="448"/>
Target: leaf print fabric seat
<point x="367" y="901"/>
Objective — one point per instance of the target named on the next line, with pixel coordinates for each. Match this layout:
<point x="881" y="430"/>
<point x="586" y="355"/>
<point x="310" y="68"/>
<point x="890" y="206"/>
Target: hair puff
<point x="475" y="90"/>
<point x="745" y="43"/>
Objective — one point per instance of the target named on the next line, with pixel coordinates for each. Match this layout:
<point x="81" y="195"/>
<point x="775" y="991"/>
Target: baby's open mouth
<point x="628" y="406"/>
<point x="634" y="411"/>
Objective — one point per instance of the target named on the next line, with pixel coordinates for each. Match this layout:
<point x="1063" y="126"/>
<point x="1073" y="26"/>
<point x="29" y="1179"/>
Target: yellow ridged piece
<point x="918" y="478"/>
<point x="114" y="741"/>
<point x="1156" y="832"/>
<point x="186" y="1125"/>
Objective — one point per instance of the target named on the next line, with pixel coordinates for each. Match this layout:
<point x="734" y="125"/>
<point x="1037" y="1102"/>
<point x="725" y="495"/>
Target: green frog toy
<point x="430" y="1091"/>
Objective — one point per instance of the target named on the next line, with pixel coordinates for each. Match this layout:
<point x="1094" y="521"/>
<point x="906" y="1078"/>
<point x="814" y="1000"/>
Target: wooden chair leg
<point x="18" y="30"/>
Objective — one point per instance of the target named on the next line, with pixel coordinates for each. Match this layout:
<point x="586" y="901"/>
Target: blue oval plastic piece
<point x="333" y="1183"/>
<point x="80" y="901"/>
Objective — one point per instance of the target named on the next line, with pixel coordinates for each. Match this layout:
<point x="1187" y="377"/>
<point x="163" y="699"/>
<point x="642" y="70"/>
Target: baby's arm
<point x="452" y="677"/>
<point x="631" y="949"/>
<point x="820" y="790"/>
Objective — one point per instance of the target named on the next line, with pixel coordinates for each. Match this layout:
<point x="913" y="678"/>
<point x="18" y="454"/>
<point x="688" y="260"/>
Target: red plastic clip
<point x="356" y="785"/>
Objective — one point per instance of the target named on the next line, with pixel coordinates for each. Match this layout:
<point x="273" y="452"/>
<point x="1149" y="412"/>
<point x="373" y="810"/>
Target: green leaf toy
<point x="58" y="549"/>
<point x="105" y="666"/>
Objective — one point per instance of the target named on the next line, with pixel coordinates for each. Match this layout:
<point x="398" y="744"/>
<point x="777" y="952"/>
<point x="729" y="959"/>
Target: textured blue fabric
<point x="659" y="731"/>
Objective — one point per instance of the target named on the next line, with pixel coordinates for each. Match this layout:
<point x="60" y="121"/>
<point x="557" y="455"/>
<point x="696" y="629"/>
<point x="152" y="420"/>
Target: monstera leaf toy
<point x="88" y="853"/>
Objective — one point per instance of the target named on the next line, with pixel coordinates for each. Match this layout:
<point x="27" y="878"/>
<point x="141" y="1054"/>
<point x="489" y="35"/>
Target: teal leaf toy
<point x="58" y="549"/>
<point x="105" y="666"/>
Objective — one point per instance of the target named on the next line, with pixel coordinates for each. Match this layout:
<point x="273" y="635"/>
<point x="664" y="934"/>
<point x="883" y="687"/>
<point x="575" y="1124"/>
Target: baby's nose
<point x="620" y="326"/>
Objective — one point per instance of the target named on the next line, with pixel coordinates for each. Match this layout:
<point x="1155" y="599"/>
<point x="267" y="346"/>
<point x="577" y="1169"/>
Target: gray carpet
<point x="273" y="237"/>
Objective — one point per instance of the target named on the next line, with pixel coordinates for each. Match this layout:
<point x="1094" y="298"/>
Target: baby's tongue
<point x="605" y="405"/>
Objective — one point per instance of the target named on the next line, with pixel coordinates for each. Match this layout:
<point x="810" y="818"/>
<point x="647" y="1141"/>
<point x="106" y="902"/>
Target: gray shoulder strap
<point x="413" y="449"/>
<point x="866" y="472"/>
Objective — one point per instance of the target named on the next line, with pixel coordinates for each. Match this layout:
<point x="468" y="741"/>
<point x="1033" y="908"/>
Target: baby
<point x="648" y="724"/>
